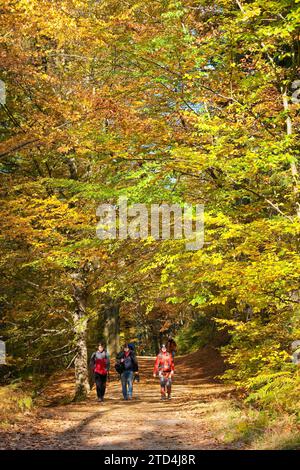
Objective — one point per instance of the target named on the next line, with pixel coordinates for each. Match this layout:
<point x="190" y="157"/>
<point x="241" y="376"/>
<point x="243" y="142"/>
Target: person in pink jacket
<point x="100" y="365"/>
<point x="164" y="368"/>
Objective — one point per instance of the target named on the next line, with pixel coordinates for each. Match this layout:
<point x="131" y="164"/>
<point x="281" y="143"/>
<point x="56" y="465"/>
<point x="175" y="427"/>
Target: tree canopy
<point x="162" y="102"/>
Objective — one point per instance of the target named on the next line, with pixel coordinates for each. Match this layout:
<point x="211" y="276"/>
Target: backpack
<point x="135" y="364"/>
<point x="119" y="366"/>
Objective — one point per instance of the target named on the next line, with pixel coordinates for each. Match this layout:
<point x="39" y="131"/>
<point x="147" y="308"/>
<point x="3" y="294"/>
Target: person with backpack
<point x="164" y="368"/>
<point x="100" y="365"/>
<point x="171" y="346"/>
<point x="127" y="366"/>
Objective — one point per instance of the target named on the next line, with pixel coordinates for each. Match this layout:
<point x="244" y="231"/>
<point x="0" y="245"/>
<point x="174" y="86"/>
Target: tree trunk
<point x="80" y="320"/>
<point x="294" y="170"/>
<point x="112" y="328"/>
<point x="82" y="386"/>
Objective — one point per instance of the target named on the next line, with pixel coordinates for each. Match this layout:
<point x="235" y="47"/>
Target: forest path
<point x="146" y="422"/>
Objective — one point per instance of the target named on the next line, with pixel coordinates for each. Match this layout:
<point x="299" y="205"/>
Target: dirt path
<point x="186" y="422"/>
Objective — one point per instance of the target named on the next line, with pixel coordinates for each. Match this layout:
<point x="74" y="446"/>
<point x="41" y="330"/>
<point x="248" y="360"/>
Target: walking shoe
<point x="169" y="397"/>
<point x="163" y="397"/>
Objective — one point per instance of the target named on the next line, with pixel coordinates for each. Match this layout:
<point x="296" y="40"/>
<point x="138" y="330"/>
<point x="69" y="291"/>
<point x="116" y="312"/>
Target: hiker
<point x="100" y="364"/>
<point x="127" y="367"/>
<point x="164" y="367"/>
<point x="171" y="346"/>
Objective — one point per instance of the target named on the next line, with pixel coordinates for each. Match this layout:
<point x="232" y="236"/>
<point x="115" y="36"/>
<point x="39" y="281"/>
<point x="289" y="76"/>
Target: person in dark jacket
<point x="171" y="346"/>
<point x="128" y="361"/>
<point x="100" y="365"/>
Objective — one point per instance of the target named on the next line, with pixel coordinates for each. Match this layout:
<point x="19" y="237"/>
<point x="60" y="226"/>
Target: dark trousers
<point x="100" y="381"/>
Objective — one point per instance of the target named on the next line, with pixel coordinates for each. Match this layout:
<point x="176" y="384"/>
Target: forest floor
<point x="189" y="421"/>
